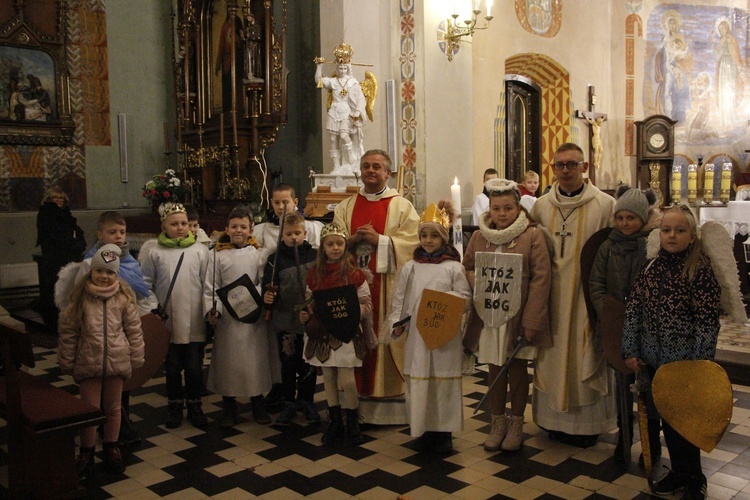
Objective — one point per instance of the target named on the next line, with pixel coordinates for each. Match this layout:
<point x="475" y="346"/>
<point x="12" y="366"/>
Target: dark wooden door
<point x="523" y="128"/>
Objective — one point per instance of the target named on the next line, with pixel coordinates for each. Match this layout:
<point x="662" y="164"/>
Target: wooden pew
<point x="43" y="422"/>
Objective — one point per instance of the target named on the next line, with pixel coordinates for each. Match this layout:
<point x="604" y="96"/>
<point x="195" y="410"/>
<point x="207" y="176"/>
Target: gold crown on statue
<point x="332" y="228"/>
<point x="343" y="53"/>
<point x="172" y="208"/>
<point x="437" y="215"/>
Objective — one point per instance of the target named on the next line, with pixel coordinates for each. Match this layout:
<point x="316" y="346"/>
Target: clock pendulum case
<point x="655" y="155"/>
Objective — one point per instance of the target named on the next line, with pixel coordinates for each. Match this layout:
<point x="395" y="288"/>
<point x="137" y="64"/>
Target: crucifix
<point x="563" y="233"/>
<point x="595" y="120"/>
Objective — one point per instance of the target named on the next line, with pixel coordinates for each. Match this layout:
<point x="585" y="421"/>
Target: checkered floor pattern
<point x="252" y="460"/>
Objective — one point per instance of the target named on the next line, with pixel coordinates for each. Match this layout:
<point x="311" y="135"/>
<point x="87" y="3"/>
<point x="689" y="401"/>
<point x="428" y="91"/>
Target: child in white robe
<point x="433" y="377"/>
<point x="240" y="365"/>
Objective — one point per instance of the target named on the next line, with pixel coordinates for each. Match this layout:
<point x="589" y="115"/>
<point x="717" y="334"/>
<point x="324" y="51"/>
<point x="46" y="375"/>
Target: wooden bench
<point x="43" y="422"/>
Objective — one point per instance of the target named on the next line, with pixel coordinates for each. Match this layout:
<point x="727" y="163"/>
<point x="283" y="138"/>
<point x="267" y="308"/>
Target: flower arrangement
<point x="164" y="188"/>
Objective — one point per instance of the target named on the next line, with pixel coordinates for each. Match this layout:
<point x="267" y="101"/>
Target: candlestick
<point x="692" y="183"/>
<point x="221" y="129"/>
<point x="726" y="182"/>
<point x="676" y="184"/>
<point x="458" y="235"/>
<point x="166" y="138"/>
<point x="708" y="184"/>
<point x="234" y="127"/>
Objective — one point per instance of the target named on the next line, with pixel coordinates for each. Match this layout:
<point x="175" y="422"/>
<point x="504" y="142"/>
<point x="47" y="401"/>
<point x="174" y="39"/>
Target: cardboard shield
<point x="439" y="317"/>
<point x="497" y="286"/>
<point x="156" y="340"/>
<point x="338" y="311"/>
<point x="695" y="398"/>
<point x="241" y="299"/>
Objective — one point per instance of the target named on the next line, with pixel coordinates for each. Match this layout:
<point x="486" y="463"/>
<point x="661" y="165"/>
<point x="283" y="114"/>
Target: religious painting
<point x="26" y="75"/>
<point x="695" y="72"/>
<point x="29" y="97"/>
<point x="540" y="17"/>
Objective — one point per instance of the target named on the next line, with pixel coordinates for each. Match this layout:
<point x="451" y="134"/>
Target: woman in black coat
<point x="62" y="242"/>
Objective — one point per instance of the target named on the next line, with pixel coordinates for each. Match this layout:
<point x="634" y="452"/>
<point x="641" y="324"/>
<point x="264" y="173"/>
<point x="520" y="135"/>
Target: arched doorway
<point x="556" y="112"/>
<point x="523" y="127"/>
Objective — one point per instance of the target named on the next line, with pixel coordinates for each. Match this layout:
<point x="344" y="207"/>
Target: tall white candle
<point x="456" y="194"/>
<point x="458" y="236"/>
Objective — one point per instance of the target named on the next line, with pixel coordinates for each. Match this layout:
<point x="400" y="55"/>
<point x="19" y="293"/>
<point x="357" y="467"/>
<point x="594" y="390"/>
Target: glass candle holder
<point x="676" y="184"/>
<point x="692" y="193"/>
<point x="708" y="184"/>
<point x="726" y="182"/>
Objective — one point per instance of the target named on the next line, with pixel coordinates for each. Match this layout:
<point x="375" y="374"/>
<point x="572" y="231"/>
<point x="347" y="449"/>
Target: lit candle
<point x="489" y="8"/>
<point x="166" y="137"/>
<point x="221" y="129"/>
<point x="456" y="194"/>
<point x="708" y="184"/>
<point x="692" y="183"/>
<point x="676" y="184"/>
<point x="726" y="181"/>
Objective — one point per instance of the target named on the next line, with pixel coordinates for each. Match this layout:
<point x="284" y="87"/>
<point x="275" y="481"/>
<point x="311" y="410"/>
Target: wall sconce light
<point x="455" y="31"/>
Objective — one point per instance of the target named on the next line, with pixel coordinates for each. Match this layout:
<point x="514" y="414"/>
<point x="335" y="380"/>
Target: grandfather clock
<point x="655" y="155"/>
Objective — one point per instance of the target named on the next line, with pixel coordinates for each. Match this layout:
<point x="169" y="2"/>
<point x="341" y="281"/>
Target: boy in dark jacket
<point x="281" y="296"/>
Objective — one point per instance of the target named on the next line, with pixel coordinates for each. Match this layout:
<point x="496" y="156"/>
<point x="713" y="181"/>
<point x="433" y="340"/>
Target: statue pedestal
<point x="329" y="190"/>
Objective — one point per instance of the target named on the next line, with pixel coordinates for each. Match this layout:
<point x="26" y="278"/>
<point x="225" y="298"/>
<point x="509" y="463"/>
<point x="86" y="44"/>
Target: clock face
<point x="657" y="141"/>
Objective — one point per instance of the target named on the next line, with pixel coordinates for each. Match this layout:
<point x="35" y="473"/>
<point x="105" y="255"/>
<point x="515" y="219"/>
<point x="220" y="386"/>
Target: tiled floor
<point x="273" y="462"/>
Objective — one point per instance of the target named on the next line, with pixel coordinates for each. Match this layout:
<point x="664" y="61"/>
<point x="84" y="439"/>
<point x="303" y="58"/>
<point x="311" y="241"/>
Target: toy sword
<point x="521" y="342"/>
<point x="271" y="286"/>
<point x="162" y="310"/>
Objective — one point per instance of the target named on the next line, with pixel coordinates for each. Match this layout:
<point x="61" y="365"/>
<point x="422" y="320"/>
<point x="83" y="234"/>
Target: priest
<point x="383" y="227"/>
<point x="573" y="386"/>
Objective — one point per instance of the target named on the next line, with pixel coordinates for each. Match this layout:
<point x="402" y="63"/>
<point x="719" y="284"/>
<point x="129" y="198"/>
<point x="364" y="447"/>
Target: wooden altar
<point x="231" y="98"/>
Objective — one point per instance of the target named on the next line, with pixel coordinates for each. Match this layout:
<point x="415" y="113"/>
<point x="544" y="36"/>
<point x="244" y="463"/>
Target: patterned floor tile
<point x="251" y="460"/>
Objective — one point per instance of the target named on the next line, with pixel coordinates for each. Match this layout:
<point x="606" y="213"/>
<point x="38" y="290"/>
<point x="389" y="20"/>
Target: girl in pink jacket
<point x="100" y="343"/>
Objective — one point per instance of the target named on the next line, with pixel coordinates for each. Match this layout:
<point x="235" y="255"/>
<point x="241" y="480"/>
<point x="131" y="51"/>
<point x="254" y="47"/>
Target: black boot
<point x="335" y="431"/>
<point x="85" y="462"/>
<point x="229" y="416"/>
<point x="195" y="414"/>
<point x="258" y="407"/>
<point x="174" y="414"/>
<point x="442" y="442"/>
<point x="113" y="459"/>
<point x="353" y="433"/>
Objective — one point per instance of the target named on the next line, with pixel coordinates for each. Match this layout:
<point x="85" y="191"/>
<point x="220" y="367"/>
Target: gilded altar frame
<point x="35" y="106"/>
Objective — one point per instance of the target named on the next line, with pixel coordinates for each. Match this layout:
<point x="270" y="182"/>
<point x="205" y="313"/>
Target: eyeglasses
<point x="572" y="165"/>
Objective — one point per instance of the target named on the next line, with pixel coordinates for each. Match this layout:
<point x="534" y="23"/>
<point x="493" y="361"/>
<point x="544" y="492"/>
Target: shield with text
<point x="337" y="309"/>
<point x="241" y="299"/>
<point x="439" y="317"/>
<point x="497" y="286"/>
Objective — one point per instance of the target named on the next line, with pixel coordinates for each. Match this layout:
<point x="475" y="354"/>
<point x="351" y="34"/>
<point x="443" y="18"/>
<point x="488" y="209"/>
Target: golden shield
<point x="695" y="398"/>
<point x="439" y="317"/>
